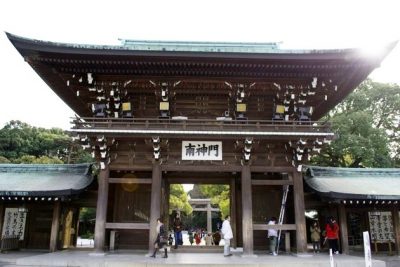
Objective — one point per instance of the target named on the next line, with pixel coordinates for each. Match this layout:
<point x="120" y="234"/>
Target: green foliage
<point x="22" y="143"/>
<point x="366" y="125"/>
<point x="219" y="195"/>
<point x="4" y="160"/>
<point x="87" y="214"/>
<point x="87" y="218"/>
<point x="178" y="199"/>
<point x="26" y="159"/>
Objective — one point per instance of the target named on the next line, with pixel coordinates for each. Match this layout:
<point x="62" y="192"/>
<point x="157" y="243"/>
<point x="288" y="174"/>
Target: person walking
<point x="272" y="236"/>
<point x="177" y="224"/>
<point x="315" y="231"/>
<point x="161" y="239"/>
<point x="227" y="235"/>
<point x="332" y="235"/>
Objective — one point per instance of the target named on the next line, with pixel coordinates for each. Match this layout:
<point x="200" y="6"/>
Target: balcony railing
<point x="201" y="126"/>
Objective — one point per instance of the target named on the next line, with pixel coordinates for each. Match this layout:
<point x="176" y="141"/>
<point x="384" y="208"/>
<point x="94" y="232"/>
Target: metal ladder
<point x="282" y="214"/>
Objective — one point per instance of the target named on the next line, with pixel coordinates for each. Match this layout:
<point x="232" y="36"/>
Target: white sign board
<point x="367" y="250"/>
<point x="381" y="226"/>
<point x="201" y="150"/>
<point x="14" y="223"/>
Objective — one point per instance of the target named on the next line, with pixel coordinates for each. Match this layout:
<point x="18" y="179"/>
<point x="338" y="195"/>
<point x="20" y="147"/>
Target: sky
<point x="316" y="24"/>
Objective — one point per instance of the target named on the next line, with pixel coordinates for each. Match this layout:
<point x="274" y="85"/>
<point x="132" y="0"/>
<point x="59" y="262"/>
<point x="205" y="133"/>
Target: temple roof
<point x="132" y="64"/>
<point x="354" y="183"/>
<point x="44" y="180"/>
<point x="216" y="47"/>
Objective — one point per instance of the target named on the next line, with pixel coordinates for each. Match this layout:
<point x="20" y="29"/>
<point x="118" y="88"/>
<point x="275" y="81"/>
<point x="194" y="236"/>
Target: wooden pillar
<point x="299" y="212"/>
<point x="1" y="217"/>
<point x="67" y="224"/>
<point x="396" y="228"/>
<point x="247" y="211"/>
<point x="101" y="210"/>
<point x="166" y="204"/>
<point x="232" y="204"/>
<point x="344" y="236"/>
<point x="75" y="226"/>
<point x="155" y="204"/>
<point x="55" y="226"/>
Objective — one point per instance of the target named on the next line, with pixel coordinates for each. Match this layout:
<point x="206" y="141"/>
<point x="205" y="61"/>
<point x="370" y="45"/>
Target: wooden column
<point x="1" y="217"/>
<point x="299" y="212"/>
<point x="396" y="228"/>
<point x="55" y="226"/>
<point x="344" y="236"/>
<point x="67" y="225"/>
<point x="247" y="211"/>
<point x="155" y="204"/>
<point x="232" y="203"/>
<point x="166" y="205"/>
<point x="101" y="210"/>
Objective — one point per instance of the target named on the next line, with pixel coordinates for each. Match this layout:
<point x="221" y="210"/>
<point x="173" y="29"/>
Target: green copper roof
<point x="44" y="180"/>
<point x="183" y="46"/>
<point x="223" y="47"/>
<point x="354" y="183"/>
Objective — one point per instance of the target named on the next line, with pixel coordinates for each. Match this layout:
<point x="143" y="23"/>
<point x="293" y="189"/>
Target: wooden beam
<point x="271" y="182"/>
<point x="129" y="181"/>
<point x="125" y="167"/>
<point x="131" y="226"/>
<point x="155" y="204"/>
<point x="300" y="219"/>
<point x="344" y="236"/>
<point x="396" y="227"/>
<point x="200" y="168"/>
<point x="101" y="211"/>
<point x="55" y="225"/>
<point x="277" y="169"/>
<point x="247" y="211"/>
<point x="274" y="226"/>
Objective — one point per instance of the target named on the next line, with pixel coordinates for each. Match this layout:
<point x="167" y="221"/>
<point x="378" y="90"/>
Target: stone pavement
<point x="135" y="258"/>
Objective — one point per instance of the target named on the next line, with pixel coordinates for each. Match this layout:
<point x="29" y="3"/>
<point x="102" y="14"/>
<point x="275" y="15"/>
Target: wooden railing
<point x="200" y="125"/>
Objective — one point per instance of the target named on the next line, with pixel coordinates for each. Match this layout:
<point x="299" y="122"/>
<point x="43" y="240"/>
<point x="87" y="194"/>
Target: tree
<point x="366" y="124"/>
<point x="219" y="195"/>
<point x="27" y="159"/>
<point x="178" y="199"/>
<point x="19" y="142"/>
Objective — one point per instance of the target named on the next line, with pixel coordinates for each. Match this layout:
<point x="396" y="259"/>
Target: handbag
<point x="163" y="239"/>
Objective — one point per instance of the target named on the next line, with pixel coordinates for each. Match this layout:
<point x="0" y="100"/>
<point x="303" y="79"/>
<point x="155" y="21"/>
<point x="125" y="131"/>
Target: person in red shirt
<point x="332" y="234"/>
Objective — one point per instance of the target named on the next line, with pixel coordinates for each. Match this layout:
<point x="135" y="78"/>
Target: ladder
<point x="282" y="214"/>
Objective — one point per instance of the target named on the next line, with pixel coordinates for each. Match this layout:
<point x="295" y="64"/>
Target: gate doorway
<point x="207" y="199"/>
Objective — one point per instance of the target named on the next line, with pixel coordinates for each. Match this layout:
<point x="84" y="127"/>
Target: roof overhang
<point x="354" y="183"/>
<point x="19" y="181"/>
<point x="56" y="63"/>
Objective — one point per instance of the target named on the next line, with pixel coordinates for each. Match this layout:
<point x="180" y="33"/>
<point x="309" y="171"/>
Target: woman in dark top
<point x="161" y="240"/>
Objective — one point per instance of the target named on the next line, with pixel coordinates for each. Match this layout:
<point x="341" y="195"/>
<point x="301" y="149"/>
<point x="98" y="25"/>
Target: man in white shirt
<point x="227" y="235"/>
<point x="273" y="236"/>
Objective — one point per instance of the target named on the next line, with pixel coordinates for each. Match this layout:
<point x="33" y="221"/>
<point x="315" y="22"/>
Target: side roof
<point x="354" y="183"/>
<point x="44" y="180"/>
